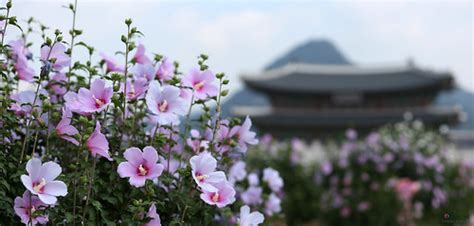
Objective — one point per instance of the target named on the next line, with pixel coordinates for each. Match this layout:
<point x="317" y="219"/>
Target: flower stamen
<point x="215" y="197"/>
<point x="163" y="106"/>
<point x="142" y="170"/>
<point x="199" y="85"/>
<point x="39" y="187"/>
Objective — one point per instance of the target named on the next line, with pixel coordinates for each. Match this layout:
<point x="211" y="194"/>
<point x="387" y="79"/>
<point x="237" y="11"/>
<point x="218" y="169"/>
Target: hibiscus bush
<point x="402" y="174"/>
<point x="136" y="142"/>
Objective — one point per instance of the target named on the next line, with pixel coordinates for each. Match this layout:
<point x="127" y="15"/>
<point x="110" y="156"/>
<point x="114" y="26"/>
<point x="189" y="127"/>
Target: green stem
<point x="5" y="26"/>
<point x="91" y="181"/>
<point x="125" y="74"/>
<point x="73" y="36"/>
<point x="218" y="111"/>
<point x="48" y="134"/>
<point x="28" y="124"/>
<point x="75" y="181"/>
<point x="34" y="144"/>
<point x="152" y="138"/>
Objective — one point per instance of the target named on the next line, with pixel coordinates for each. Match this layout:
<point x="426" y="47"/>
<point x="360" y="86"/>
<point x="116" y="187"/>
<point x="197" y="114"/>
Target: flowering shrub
<point x="118" y="143"/>
<point x="399" y="175"/>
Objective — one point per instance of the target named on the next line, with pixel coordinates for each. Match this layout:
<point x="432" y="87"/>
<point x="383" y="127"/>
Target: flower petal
<point x="48" y="199"/>
<point x="134" y="156"/>
<point x="150" y="155"/>
<point x="50" y="170"/>
<point x="33" y="167"/>
<point x="125" y="169"/>
<point x="56" y="188"/>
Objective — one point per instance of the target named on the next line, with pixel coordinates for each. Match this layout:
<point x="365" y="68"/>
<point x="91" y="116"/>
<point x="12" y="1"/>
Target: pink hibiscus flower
<point x="155" y="217"/>
<point x="57" y="55"/>
<point x="25" y="209"/>
<point x="111" y="65"/>
<point x="140" y="57"/>
<point x="196" y="143"/>
<point x="40" y="180"/>
<point x="146" y="71"/>
<point x="165" y="70"/>
<point x="23" y="101"/>
<point x="203" y="170"/>
<point x="250" y="219"/>
<point x="140" y="166"/>
<point x="164" y="103"/>
<point x="224" y="195"/>
<point x="406" y="188"/>
<point x="97" y="143"/>
<point x="57" y="83"/>
<point x="244" y="135"/>
<point x="24" y="72"/>
<point x="64" y="128"/>
<point x="88" y="101"/>
<point x="272" y="177"/>
<point x="21" y="56"/>
<point x="202" y="83"/>
<point x="135" y="89"/>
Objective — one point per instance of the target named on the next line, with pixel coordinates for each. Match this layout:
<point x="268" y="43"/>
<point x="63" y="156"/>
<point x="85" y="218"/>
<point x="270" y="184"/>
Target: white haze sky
<point x="243" y="36"/>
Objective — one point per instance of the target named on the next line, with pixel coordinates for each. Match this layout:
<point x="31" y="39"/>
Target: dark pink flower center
<point x="215" y="197"/>
<point x="201" y="177"/>
<point x="142" y="170"/>
<point x="198" y="85"/>
<point x="99" y="102"/>
<point x="39" y="186"/>
<point x="163" y="106"/>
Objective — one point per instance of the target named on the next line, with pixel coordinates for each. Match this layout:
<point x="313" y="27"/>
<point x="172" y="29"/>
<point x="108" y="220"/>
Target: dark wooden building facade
<point x="313" y="90"/>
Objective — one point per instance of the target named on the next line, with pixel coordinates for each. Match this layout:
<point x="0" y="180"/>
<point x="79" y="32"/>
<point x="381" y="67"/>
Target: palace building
<point x="314" y="91"/>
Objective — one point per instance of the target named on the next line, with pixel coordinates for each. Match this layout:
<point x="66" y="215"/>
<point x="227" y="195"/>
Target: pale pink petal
<point x="150" y="155"/>
<point x="33" y="167"/>
<point x="48" y="199"/>
<point x="55" y="188"/>
<point x="125" y="169"/>
<point x="50" y="170"/>
<point x="134" y="156"/>
<point x="26" y="180"/>
<point x="137" y="181"/>
<point x="155" y="171"/>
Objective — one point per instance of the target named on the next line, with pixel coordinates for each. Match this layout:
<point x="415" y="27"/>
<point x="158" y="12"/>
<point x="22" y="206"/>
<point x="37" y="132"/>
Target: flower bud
<point x="83" y="120"/>
<point x="224" y="92"/>
<point x="204" y="56"/>
<point x="124" y="39"/>
<point x="220" y="75"/>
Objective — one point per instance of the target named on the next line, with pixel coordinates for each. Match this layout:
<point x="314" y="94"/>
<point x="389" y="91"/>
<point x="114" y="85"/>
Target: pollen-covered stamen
<point x="201" y="177"/>
<point x="141" y="170"/>
<point x="33" y="209"/>
<point x="215" y="197"/>
<point x="39" y="187"/>
<point x="199" y="85"/>
<point x="98" y="102"/>
<point x="163" y="106"/>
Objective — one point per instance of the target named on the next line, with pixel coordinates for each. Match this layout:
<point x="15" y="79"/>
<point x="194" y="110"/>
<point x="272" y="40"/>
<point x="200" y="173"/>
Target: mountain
<point x="312" y="52"/>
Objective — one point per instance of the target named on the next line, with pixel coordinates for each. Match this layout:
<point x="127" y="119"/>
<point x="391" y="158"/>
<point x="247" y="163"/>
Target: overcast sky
<point x="243" y="36"/>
